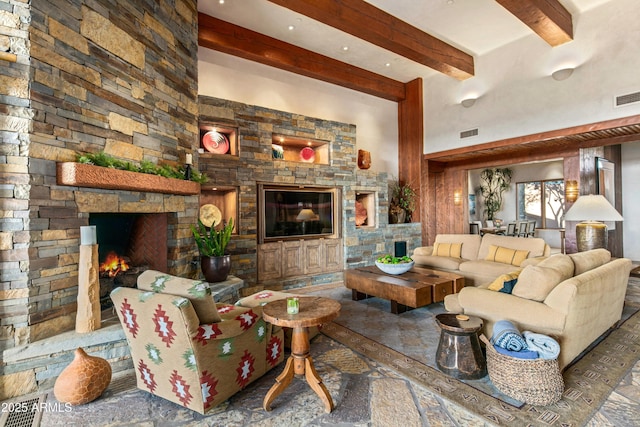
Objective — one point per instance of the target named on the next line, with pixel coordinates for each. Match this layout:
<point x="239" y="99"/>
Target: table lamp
<point x="591" y="233"/>
<point x="305" y="215"/>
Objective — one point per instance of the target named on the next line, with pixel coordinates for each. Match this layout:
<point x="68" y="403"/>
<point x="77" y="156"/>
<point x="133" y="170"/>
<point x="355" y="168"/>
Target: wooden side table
<point x="459" y="353"/>
<point x="313" y="311"/>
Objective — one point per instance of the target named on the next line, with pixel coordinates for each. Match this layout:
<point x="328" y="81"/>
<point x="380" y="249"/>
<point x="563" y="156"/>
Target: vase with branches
<point x="494" y="182"/>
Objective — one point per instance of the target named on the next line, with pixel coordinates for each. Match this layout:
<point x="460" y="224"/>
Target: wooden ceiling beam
<point x="225" y="37"/>
<point x="547" y="18"/>
<point x="367" y="22"/>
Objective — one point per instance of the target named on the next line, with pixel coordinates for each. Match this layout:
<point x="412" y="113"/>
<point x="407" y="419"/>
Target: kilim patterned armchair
<point x="188" y="350"/>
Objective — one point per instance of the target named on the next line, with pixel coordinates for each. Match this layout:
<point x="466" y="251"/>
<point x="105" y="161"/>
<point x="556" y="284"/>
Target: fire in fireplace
<point x="113" y="264"/>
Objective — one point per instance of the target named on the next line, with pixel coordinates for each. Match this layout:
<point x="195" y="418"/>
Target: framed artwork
<point x="605" y="183"/>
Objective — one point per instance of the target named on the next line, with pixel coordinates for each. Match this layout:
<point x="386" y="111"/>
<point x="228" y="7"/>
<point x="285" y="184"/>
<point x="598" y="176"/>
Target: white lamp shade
<point x="306" y="215"/>
<point x="592" y="208"/>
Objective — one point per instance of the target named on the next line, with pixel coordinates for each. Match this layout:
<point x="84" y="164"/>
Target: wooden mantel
<point x="85" y="175"/>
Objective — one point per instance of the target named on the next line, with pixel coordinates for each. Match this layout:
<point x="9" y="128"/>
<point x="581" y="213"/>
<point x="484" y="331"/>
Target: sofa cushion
<point x="534" y="245"/>
<point x="470" y="243"/>
<point x="588" y="260"/>
<point x="453" y="250"/>
<point x="505" y="282"/>
<point x="196" y="291"/>
<point x="438" y="262"/>
<point x="506" y="255"/>
<point x="536" y="281"/>
<point x="488" y="269"/>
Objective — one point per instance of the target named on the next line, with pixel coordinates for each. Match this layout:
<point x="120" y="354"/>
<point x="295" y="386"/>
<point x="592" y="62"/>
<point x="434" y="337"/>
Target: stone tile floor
<point x="366" y="394"/>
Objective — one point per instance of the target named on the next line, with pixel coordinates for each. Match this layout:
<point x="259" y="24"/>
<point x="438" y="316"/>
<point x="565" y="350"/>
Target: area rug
<point x="588" y="382"/>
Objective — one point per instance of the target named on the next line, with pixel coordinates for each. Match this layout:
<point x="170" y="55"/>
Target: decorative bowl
<point x="395" y="268"/>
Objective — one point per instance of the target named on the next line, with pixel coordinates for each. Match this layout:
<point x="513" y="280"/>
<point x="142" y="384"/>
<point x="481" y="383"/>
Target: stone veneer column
<point x="15" y="122"/>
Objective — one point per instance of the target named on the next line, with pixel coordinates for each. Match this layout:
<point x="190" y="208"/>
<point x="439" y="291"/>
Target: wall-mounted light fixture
<point x="562" y="74"/>
<point x="457" y="197"/>
<point x="468" y="102"/>
<point x="571" y="191"/>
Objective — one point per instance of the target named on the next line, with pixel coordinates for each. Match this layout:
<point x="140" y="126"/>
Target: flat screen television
<point x="298" y="212"/>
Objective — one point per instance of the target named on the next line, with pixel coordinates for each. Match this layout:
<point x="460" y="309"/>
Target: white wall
<point x="228" y="77"/>
<point x="518" y="97"/>
<point x="631" y="202"/>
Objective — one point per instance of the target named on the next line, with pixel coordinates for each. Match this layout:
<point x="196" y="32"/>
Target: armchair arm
<point x="235" y="322"/>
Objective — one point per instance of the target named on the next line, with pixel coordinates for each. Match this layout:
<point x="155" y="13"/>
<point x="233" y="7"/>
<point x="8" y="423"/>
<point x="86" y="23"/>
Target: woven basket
<point x="533" y="381"/>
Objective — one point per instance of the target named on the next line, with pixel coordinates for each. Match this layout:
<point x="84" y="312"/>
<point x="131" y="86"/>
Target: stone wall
<point x="105" y="76"/>
<point x="254" y="164"/>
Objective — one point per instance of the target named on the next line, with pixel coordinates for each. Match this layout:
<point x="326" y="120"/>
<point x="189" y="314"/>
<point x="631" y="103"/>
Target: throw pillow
<point x="536" y="282"/>
<point x="505" y="282"/>
<point x="453" y="250"/>
<point x="506" y="255"/>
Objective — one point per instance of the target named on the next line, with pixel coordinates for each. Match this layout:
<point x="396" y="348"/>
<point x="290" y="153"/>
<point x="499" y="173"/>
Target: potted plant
<point x="494" y="183"/>
<point x="403" y="198"/>
<point x="212" y="243"/>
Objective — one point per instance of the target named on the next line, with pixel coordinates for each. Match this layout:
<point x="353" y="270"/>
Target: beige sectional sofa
<point x="475" y="249"/>
<point x="574" y="298"/>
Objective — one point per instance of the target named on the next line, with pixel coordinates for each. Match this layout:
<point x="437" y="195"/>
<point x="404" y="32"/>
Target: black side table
<point x="459" y="353"/>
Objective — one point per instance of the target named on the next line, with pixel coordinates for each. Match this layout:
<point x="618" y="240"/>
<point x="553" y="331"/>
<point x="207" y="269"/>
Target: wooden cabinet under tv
<point x="291" y="258"/>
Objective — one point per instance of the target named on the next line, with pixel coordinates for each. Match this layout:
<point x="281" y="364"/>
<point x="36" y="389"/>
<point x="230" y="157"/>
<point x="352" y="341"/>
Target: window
<point x="542" y="201"/>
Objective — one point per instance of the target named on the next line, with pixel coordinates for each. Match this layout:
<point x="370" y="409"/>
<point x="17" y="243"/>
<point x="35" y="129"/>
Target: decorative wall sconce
<point x="468" y="102"/>
<point x="457" y="197"/>
<point x="571" y="191"/>
<point x="562" y="74"/>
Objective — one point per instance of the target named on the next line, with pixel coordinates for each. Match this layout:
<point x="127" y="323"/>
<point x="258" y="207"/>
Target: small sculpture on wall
<point x="364" y="159"/>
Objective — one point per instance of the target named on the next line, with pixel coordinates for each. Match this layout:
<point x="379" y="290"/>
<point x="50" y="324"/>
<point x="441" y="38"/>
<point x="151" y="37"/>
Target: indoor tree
<point x="494" y="182"/>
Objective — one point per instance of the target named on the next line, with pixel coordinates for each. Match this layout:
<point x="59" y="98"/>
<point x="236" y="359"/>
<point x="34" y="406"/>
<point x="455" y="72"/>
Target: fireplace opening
<point x="128" y="245"/>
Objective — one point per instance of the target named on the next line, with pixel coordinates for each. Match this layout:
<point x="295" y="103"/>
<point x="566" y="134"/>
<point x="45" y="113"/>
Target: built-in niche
<point x="218" y="140"/>
<point x="365" y="209"/>
<point x="297" y="149"/>
<point x="224" y="199"/>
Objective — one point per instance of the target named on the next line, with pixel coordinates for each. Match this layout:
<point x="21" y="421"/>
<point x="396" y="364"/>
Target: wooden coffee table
<point x="313" y="311"/>
<point x="416" y="288"/>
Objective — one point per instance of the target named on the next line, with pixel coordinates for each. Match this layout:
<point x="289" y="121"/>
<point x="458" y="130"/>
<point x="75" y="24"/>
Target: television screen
<point x="298" y="212"/>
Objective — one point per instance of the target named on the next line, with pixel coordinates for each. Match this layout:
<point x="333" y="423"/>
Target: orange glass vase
<point x="83" y="380"/>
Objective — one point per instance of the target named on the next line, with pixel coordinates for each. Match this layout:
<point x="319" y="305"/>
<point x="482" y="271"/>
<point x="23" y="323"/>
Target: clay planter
<point x="83" y="380"/>
<point x="215" y="268"/>
<point x="84" y="175"/>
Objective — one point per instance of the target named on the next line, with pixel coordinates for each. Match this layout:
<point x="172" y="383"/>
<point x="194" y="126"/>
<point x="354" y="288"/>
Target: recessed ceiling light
<point x="345" y="48"/>
<point x="221" y="1"/>
<point x="291" y="27"/>
<point x="388" y="64"/>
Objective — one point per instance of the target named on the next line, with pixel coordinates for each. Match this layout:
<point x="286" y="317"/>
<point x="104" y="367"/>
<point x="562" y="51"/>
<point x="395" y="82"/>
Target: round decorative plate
<point x="215" y="142"/>
<point x="210" y="215"/>
<point x="307" y="154"/>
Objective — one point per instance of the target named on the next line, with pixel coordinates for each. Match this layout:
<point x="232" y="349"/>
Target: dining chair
<point x="490" y="223"/>
<point x="531" y="229"/>
<point x="522" y="229"/>
<point x="511" y="229"/>
<point x="474" y="228"/>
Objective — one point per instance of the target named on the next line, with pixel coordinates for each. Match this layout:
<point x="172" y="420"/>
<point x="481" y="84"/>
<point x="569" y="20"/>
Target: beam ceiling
<point x="367" y="22"/>
<point x="225" y="37"/>
<point x="548" y="18"/>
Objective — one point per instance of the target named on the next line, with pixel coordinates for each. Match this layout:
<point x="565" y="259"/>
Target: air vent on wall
<point x="468" y="133"/>
<point x="630" y="98"/>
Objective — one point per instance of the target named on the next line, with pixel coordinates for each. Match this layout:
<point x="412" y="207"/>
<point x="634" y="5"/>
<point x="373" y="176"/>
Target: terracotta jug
<point x="83" y="380"/>
<point x="364" y="159"/>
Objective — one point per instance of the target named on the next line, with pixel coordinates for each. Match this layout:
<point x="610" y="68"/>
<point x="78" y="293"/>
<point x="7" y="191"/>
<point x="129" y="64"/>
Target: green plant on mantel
<point x="494" y="183"/>
<point x="105" y="160"/>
